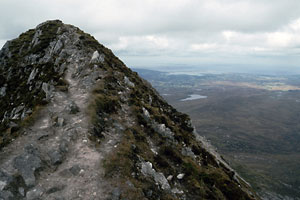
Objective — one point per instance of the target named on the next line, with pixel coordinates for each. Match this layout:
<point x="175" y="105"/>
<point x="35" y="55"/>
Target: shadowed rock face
<point x="76" y="123"/>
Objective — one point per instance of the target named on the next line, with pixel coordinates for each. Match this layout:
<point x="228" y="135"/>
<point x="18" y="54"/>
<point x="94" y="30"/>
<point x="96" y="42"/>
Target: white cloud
<point x="279" y="39"/>
<point x="158" y="42"/>
<point x="295" y="25"/>
<point x="229" y="35"/>
<point x="203" y="46"/>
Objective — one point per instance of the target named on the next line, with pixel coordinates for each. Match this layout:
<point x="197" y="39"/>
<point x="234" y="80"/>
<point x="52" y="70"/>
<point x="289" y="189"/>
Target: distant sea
<point x="226" y="69"/>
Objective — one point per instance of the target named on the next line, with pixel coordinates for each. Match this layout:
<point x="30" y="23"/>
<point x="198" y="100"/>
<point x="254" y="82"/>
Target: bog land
<point x="252" y="120"/>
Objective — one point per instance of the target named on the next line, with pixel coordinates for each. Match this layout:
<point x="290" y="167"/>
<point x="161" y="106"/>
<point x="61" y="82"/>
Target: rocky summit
<point x="76" y="123"/>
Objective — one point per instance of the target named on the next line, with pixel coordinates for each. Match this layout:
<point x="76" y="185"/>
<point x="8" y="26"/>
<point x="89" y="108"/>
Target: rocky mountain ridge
<point x="76" y="123"/>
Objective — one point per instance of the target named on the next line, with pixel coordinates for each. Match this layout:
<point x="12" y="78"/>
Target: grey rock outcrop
<point x="160" y="128"/>
<point x="5" y="180"/>
<point x="34" y="193"/>
<point x="96" y="57"/>
<point x="28" y="164"/>
<point x="147" y="170"/>
<point x="73" y="108"/>
<point x="3" y="91"/>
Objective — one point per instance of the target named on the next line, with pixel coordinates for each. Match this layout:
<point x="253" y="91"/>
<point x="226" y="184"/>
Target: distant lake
<point x="186" y="73"/>
<point x="194" y="97"/>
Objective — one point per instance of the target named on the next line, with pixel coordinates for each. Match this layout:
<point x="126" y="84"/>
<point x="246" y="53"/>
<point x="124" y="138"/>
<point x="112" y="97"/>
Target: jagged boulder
<point x="28" y="164"/>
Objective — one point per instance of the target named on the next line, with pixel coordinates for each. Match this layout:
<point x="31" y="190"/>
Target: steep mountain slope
<point x="255" y="129"/>
<point x="76" y="123"/>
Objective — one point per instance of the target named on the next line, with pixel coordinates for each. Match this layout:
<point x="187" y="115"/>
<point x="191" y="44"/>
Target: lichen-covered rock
<point x="48" y="89"/>
<point x="128" y="82"/>
<point x="96" y="57"/>
<point x="187" y="151"/>
<point x="73" y="108"/>
<point x="32" y="75"/>
<point x="56" y="157"/>
<point x="147" y="170"/>
<point x="3" y="91"/>
<point x="5" y="180"/>
<point x="34" y="193"/>
<point x="180" y="176"/>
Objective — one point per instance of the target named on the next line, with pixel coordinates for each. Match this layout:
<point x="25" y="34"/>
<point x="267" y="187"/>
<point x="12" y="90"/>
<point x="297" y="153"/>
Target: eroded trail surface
<point x="54" y="158"/>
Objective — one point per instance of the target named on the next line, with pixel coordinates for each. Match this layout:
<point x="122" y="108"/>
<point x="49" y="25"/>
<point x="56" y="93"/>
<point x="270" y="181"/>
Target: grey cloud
<point x="150" y="17"/>
<point x="181" y="31"/>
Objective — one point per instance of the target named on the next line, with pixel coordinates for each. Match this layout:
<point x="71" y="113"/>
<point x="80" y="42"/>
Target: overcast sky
<point x="155" y="33"/>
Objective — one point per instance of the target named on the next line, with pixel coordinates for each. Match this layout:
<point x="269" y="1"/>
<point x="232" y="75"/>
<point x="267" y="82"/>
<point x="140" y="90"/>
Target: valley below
<point x="252" y="120"/>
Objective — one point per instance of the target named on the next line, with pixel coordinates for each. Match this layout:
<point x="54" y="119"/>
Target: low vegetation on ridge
<point x="204" y="177"/>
